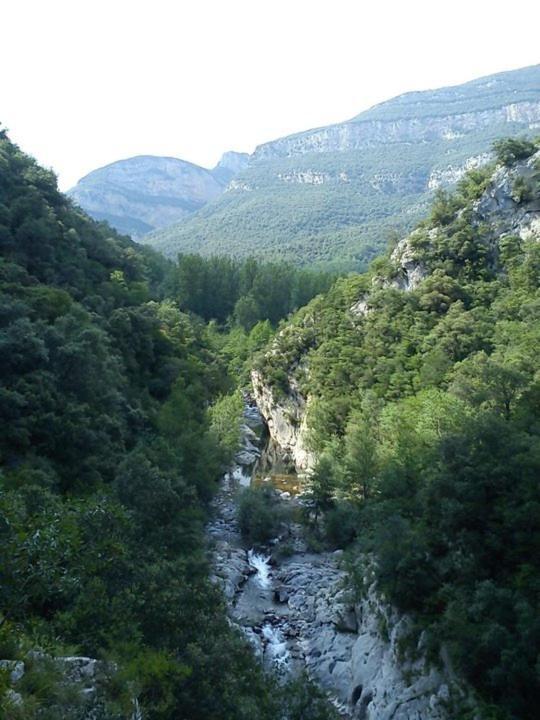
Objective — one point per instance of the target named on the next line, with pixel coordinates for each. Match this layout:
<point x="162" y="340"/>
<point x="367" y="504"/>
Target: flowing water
<point x="261" y="564"/>
<point x="283" y="603"/>
<point x="276" y="651"/>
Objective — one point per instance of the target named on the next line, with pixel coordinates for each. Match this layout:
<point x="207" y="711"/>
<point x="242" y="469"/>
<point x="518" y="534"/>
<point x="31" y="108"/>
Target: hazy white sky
<point x="87" y="82"/>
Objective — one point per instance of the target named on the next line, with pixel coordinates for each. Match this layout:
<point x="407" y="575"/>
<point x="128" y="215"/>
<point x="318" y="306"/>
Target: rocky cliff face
<point x="333" y="193"/>
<point x="230" y="164"/>
<point x="285" y="417"/>
<point x="144" y="193"/>
<point x="360" y="134"/>
<point x="507" y="206"/>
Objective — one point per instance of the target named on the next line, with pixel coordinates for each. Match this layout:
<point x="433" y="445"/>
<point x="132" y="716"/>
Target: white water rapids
<point x="276" y="651"/>
<point x="261" y="564"/>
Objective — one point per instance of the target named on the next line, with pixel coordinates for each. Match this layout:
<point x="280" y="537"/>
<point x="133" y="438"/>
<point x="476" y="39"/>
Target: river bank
<point x="297" y="609"/>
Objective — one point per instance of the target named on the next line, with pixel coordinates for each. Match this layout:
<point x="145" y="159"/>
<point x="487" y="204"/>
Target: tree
<point x="510" y="150"/>
<point x="247" y="312"/>
<point x="487" y="382"/>
<point x="361" y="456"/>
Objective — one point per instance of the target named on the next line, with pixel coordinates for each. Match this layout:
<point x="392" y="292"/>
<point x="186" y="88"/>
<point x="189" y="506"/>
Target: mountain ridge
<point x="142" y="193"/>
<point x="333" y="194"/>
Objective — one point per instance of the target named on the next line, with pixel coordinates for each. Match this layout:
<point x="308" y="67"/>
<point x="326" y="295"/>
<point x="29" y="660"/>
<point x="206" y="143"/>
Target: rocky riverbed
<point x="299" y="613"/>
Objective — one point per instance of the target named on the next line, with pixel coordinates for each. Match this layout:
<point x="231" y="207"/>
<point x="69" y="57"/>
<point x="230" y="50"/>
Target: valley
<point x="245" y="489"/>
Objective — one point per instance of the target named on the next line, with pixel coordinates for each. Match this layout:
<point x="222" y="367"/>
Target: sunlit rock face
<point x="286" y="419"/>
<point x="333" y="194"/>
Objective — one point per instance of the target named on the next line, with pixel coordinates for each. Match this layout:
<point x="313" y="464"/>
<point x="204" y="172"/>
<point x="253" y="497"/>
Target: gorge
<point x="372" y="549"/>
<point x="300" y="613"/>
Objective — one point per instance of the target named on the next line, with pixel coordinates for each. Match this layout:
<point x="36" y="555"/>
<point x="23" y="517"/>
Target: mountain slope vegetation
<point x="334" y="195"/>
<point x="422" y="384"/>
<point x="109" y="455"/>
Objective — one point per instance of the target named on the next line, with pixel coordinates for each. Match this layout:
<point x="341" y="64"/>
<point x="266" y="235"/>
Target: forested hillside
<point x="416" y="387"/>
<point x="421" y="381"/>
<point x="109" y="454"/>
<point x="334" y="195"/>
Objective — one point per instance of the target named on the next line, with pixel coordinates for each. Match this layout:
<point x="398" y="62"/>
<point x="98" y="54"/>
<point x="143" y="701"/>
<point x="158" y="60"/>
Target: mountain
<point x="143" y="193"/>
<point x="231" y="164"/>
<point x="334" y="194"/>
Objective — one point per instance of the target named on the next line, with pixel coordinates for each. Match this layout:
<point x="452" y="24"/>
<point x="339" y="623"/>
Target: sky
<point x="88" y="82"/>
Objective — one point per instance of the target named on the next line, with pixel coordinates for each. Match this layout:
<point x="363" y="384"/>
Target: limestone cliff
<point x="285" y="417"/>
<point x="333" y="193"/>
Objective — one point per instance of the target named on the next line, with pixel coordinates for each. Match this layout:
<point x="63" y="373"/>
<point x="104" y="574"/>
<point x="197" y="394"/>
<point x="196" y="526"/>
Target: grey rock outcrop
<point x="503" y="206"/>
<point x="285" y="417"/>
<point x="230" y="164"/>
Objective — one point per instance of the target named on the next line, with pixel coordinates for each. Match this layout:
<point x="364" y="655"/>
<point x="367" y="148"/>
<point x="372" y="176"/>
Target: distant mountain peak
<point x="140" y="194"/>
<point x="333" y="194"/>
<point x="229" y="165"/>
<point x="232" y="160"/>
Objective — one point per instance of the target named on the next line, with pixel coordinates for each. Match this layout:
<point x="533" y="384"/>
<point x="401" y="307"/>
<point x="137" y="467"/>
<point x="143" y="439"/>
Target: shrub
<point x="341" y="524"/>
<point x="258" y="514"/>
<point x="510" y="150"/>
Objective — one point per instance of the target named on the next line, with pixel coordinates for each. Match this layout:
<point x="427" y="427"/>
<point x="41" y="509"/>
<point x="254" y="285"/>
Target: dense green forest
<point x="109" y="454"/>
<point x="424" y="417"/>
<point x="242" y="292"/>
<point x="116" y="372"/>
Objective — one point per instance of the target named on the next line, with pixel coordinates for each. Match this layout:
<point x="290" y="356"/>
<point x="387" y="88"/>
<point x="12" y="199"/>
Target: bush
<point x="341" y="524"/>
<point x="510" y="150"/>
<point x="258" y="515"/>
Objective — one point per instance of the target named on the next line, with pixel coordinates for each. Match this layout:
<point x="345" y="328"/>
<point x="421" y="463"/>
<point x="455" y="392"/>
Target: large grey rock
<point x="285" y="417"/>
<point x="15" y="668"/>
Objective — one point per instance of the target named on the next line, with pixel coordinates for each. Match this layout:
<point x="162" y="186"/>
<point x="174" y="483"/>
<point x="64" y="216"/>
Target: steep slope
<point x="143" y="193"/>
<point x="334" y="193"/>
<point x="106" y="466"/>
<point x="413" y="393"/>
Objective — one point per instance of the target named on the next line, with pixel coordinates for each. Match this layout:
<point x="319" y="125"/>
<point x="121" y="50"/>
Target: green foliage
<point x="108" y="458"/>
<point x="259" y="514"/>
<point x="342" y="524"/>
<point x="226" y="416"/>
<point x="424" y="414"/>
<point x="247" y="292"/>
<point x="510" y="150"/>
<point x="322" y="484"/>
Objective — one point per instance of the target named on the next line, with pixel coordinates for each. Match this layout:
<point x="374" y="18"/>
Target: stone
<point x="281" y="595"/>
<point x="285" y="419"/>
<point x="14" y="697"/>
<point x="15" y="668"/>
